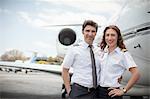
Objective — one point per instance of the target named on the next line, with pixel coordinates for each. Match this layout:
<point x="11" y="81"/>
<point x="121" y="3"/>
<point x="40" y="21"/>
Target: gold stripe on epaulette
<point x="124" y="50"/>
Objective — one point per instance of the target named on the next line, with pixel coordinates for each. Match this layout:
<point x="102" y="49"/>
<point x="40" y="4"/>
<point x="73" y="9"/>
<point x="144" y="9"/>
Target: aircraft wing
<point x="31" y="66"/>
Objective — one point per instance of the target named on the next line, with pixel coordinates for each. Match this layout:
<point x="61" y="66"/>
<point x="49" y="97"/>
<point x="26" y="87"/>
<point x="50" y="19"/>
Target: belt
<point x="88" y="89"/>
<point x="106" y="88"/>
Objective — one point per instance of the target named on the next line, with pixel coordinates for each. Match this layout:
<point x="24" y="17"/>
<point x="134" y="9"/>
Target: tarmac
<point x="33" y="85"/>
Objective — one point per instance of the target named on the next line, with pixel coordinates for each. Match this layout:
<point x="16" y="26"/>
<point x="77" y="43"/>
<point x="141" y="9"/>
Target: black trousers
<point x="102" y="93"/>
<point x="81" y="92"/>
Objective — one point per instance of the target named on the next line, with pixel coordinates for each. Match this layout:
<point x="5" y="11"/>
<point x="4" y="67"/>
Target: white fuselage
<point x="134" y="22"/>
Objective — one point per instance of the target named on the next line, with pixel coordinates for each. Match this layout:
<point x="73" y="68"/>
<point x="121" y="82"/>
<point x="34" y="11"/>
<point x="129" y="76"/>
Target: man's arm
<point x="66" y="79"/>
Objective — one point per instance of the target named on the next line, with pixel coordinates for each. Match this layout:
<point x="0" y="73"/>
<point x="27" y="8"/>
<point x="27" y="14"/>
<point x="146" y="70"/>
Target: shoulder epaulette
<point x="124" y="50"/>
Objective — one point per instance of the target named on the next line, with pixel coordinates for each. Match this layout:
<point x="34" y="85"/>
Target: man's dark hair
<point x="89" y="22"/>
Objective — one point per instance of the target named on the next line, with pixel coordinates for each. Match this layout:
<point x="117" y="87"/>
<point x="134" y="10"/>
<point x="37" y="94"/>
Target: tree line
<point x="13" y="55"/>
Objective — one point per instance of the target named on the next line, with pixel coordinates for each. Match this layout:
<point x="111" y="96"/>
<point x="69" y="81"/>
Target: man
<point x="86" y="66"/>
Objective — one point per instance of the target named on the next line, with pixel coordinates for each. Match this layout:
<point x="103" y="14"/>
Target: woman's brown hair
<point x="120" y="43"/>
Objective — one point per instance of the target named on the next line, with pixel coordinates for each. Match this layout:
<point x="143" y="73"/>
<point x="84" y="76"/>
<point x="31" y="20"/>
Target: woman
<point x="115" y="60"/>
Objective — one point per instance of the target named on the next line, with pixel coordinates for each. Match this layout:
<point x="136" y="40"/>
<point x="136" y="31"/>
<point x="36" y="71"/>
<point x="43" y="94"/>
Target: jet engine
<point x="66" y="38"/>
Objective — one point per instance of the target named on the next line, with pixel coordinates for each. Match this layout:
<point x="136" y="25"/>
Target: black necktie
<point x="93" y="67"/>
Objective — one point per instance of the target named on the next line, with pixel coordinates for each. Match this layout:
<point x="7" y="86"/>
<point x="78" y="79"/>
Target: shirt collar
<point x="117" y="49"/>
<point x="86" y="45"/>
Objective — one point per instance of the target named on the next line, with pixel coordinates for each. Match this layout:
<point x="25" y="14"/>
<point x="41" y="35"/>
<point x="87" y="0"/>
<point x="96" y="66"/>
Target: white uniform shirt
<point x="78" y="57"/>
<point x="113" y="65"/>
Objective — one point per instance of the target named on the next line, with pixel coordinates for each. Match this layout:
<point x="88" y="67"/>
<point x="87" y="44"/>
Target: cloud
<point x="69" y="17"/>
<point x="28" y="18"/>
<point x="96" y="6"/>
<point x="75" y="12"/>
<point x="25" y="16"/>
<point x="41" y="44"/>
<point x="6" y="11"/>
<point x="70" y="12"/>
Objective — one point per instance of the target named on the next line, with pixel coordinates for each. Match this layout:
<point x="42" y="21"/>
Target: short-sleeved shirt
<point x="113" y="65"/>
<point x="78" y="57"/>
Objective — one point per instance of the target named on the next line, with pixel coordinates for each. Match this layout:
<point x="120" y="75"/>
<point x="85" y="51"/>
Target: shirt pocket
<point x="117" y="64"/>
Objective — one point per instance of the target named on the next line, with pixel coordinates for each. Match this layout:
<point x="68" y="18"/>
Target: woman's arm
<point x="134" y="78"/>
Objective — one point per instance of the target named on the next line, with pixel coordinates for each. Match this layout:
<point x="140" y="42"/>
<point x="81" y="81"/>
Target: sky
<point x="25" y="24"/>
